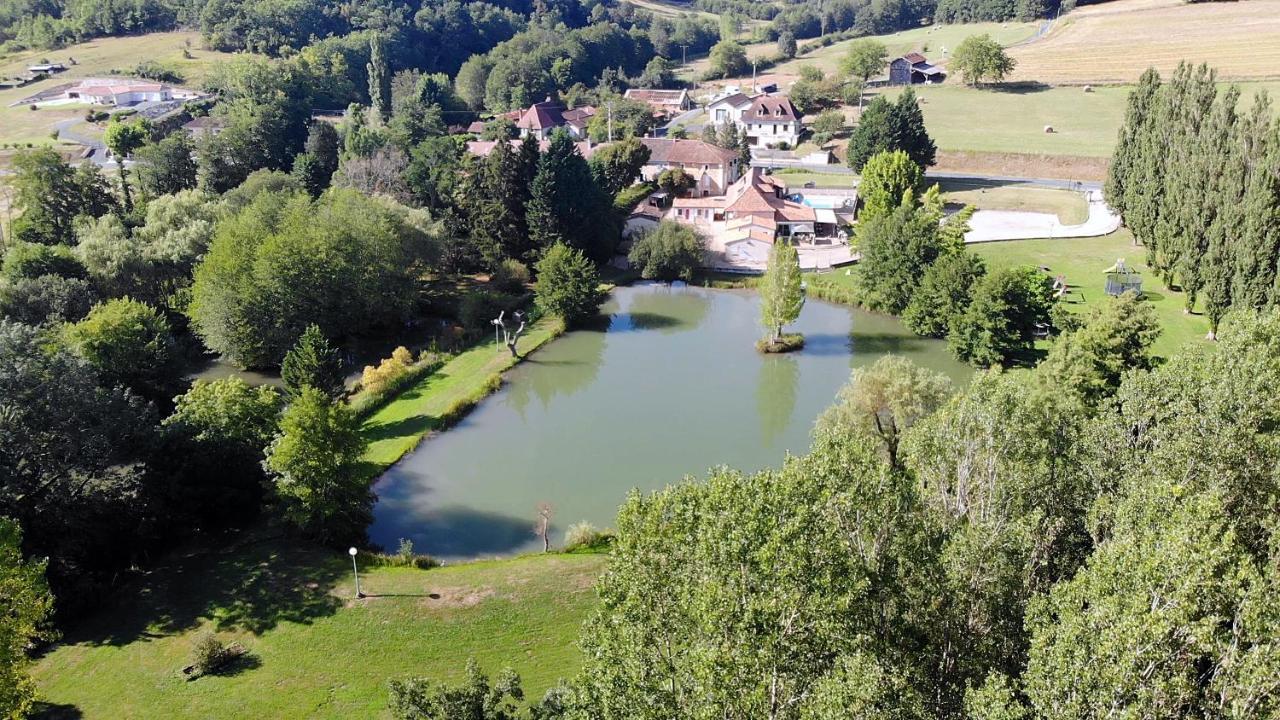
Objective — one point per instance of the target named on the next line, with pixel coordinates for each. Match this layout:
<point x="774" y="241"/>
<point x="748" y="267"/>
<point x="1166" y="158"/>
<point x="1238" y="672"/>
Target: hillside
<point x="1114" y="42"/>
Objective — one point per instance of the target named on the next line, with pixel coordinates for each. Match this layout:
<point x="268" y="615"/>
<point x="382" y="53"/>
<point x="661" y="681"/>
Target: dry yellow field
<point x="1116" y="41"/>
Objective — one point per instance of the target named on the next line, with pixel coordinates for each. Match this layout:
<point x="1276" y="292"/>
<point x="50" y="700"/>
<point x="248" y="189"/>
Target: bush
<point x="787" y="343"/>
<point x="479" y="308"/>
<point x="209" y="654"/>
<point x="583" y="536"/>
<point x="568" y="284"/>
<point x="367" y="400"/>
<point x="32" y="260"/>
<point x="629" y="198"/>
<point x="511" y="276"/>
<point x="404" y="556"/>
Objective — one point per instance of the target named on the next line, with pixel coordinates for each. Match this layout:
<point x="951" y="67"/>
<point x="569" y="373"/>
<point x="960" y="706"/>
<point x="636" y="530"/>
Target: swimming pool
<point x="828" y="202"/>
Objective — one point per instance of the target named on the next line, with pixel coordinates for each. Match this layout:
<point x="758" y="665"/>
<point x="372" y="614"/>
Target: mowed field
<point x="315" y="651"/>
<point x="104" y="56"/>
<point x="1114" y="42"/>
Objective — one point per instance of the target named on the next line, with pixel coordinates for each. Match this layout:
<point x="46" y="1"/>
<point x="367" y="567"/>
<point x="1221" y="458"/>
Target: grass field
<point x="1082" y="261"/>
<point x="934" y="41"/>
<point x="436" y="400"/>
<point x="1114" y="42"/>
<point x="314" y="651"/>
<point x="98" y="57"/>
<point x="1070" y="207"/>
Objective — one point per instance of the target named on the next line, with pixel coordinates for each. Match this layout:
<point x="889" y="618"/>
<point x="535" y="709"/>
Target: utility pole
<point x="609" y="109"/>
<point x="753" y="77"/>
<point x="684" y="54"/>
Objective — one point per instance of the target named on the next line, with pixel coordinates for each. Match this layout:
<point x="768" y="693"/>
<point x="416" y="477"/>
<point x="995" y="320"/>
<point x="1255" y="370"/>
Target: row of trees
<point x="1037" y="545"/>
<point x="1194" y="177"/>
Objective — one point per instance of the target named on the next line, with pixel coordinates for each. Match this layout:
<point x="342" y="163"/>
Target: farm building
<point x="914" y="69"/>
<point x="663" y="102"/>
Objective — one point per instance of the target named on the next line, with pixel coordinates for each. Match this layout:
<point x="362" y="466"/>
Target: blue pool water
<point x="822" y="201"/>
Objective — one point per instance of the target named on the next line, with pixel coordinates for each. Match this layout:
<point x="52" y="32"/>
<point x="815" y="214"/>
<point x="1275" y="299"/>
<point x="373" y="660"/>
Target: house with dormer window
<point x="770" y="121"/>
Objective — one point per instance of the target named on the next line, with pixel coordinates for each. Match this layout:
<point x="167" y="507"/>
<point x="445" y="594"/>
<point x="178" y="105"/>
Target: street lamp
<point x="355" y="571"/>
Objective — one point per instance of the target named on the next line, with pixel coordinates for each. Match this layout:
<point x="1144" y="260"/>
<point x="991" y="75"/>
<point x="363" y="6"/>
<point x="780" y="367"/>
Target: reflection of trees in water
<point x="667" y="309"/>
<point x="776" y="395"/>
<point x="568" y="366"/>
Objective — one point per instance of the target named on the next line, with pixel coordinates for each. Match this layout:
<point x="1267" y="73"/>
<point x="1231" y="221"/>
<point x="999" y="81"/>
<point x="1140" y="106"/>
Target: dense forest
<point x="439" y="37"/>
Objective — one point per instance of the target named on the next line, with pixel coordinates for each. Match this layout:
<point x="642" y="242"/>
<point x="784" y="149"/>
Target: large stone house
<point x="664" y="102"/>
<point x="713" y="168"/>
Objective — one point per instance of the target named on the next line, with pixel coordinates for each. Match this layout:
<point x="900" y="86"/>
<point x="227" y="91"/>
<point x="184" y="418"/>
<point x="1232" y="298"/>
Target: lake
<point x="667" y="384"/>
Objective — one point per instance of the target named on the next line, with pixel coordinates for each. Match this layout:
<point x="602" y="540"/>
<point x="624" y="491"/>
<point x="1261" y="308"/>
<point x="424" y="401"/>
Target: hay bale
<point x="1048" y="129"/>
<point x="1088" y="88"/>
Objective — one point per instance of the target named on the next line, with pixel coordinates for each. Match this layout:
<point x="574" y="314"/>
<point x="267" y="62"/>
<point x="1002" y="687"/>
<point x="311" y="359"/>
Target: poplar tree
<point x="781" y="296"/>
<point x="379" y="78"/>
<point x="1126" y="158"/>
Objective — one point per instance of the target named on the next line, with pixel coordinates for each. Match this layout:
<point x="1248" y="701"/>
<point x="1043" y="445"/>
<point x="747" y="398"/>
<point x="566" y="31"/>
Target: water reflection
<point x="776" y="395"/>
<point x="669" y="385"/>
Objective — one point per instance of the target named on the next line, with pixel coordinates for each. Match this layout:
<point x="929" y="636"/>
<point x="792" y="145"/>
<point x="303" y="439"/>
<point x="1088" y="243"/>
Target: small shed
<point x="1121" y="279"/>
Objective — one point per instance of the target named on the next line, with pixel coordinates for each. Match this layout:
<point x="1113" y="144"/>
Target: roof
<point x="929" y="70"/>
<point x="688" y="152"/>
<point x="542" y="116"/>
<point x="116" y="89"/>
<point x="914" y="57"/>
<point x="736" y="100"/>
<point x="771" y="109"/>
<point x="578" y="117"/>
<point x="662" y="98"/>
<point x="476" y="127"/>
<point x="482" y="148"/>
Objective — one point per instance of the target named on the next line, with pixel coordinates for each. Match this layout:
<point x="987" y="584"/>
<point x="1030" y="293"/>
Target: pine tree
<point x="909" y="133"/>
<point x="566" y="206"/>
<point x="312" y="362"/>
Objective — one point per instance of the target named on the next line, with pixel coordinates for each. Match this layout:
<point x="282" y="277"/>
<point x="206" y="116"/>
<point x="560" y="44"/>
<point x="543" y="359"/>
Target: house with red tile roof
<point x="115" y="91"/>
<point x="541" y="118"/>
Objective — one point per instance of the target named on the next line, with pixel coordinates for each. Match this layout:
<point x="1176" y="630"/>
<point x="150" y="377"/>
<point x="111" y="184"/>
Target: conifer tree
<point x="567" y="206"/>
<point x="312" y="362"/>
<point x="379" y="78"/>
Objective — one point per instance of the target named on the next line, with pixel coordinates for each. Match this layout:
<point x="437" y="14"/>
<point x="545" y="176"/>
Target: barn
<point x="914" y="69"/>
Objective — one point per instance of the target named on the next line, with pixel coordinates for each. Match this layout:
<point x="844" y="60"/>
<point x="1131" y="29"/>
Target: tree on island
<point x="980" y="58"/>
<point x="781" y="291"/>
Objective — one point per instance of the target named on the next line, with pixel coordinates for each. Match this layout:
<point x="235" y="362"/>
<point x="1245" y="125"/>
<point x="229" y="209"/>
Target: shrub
<point x="376" y="379"/>
<point x="367" y="400"/>
<point x="568" y="284"/>
<point x="788" y="342"/>
<point x="479" y="308"/>
<point x="209" y="654"/>
<point x="670" y="252"/>
<point x="511" y="276"/>
<point x="585" y="536"/>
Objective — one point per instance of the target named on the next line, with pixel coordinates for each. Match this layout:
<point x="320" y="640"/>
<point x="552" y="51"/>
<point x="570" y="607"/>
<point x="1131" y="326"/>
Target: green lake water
<point x="668" y="384"/>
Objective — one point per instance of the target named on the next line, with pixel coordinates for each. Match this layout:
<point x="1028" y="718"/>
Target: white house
<point x="728" y="108"/>
<point x="770" y="121"/>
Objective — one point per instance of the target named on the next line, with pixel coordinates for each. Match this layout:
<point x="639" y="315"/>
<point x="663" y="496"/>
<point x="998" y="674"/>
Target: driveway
<point x="995" y="225"/>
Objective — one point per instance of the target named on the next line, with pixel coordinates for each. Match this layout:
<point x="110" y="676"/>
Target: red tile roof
<point x="914" y="58"/>
<point x="771" y="109"/>
<point x="686" y="152"/>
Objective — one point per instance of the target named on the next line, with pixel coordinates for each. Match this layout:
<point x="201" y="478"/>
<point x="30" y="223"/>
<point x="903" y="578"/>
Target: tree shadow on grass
<point x="412" y="425"/>
<point x="56" y="711"/>
<point x="1024" y="87"/>
<point x="248" y="586"/>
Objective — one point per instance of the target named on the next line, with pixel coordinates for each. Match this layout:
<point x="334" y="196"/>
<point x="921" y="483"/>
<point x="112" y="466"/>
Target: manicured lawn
<point x="314" y="651"/>
<point x="438" y="398"/>
<point x="1082" y="261"/>
<point x="797" y="178"/>
<point x="1070" y="207"/>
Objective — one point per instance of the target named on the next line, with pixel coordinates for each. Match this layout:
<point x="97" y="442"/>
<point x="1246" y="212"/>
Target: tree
<point x="28" y="606"/>
<point x="979" y="58"/>
<point x="474" y="699"/>
<point x="619" y="119"/>
<point x="659" y="72"/>
<point x="897" y="250"/>
<point x="1000" y="323"/>
<point x="315" y="459"/>
<point x="886" y="127"/>
<point x="617" y="165"/>
<point x="889" y="179"/>
<point x="781" y="289"/>
<point x="864" y="59"/>
<point x="345" y="262"/>
<point x="826" y="125"/>
<point x="308" y="172"/>
<point x="943" y="294"/>
<point x="379" y="78"/>
<point x="323" y="144"/>
<point x="130" y="344"/>
<point x="675" y="181"/>
<point x="313" y="362"/>
<point x="122" y="138"/>
<point x="728" y="59"/>
<point x="567" y="206"/>
<point x="787" y="44"/>
<point x="1116" y="337"/>
<point x="166" y="166"/>
<point x="568" y="284"/>
<point x="228" y="411"/>
<point x="672" y="251"/>
<point x="51" y="195"/>
<point x="884" y="401"/>
<point x="51" y="299"/>
<point x="30" y="261"/>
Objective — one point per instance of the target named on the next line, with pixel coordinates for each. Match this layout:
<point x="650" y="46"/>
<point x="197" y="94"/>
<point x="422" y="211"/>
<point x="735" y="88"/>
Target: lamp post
<point x="355" y="571"/>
